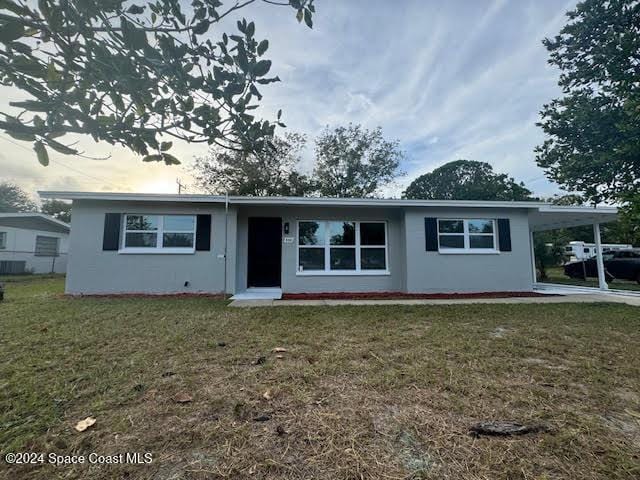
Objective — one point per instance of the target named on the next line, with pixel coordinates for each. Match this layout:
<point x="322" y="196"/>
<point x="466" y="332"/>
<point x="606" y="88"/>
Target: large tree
<point x="58" y="209"/>
<point x="137" y="74"/>
<point x="593" y="130"/>
<point x="273" y="170"/>
<point x="15" y="199"/>
<point x="466" y="180"/>
<point x="355" y="162"/>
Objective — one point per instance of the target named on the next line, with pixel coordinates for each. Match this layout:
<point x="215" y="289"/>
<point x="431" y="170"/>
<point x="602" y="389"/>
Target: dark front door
<point x="264" y="252"/>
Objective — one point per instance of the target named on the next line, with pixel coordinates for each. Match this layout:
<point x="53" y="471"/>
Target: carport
<point x="552" y="217"/>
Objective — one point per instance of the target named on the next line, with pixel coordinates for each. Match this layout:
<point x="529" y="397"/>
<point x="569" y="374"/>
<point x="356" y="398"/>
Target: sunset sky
<point x="450" y="80"/>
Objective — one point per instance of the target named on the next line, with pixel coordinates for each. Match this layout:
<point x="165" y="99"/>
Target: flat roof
<point x="321" y="201"/>
<point x="542" y="215"/>
<point x="31" y="220"/>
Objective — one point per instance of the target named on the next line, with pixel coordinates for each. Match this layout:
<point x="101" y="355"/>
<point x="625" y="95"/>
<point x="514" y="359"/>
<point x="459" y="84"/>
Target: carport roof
<point x="550" y="217"/>
<point x="542" y="215"/>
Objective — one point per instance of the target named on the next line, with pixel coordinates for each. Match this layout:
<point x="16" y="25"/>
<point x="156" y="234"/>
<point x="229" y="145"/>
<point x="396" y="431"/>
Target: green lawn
<point x="362" y="392"/>
<point x="556" y="275"/>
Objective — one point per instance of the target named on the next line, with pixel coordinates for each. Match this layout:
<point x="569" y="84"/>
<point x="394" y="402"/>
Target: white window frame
<point x="327" y="250"/>
<point x="465" y="234"/>
<point x="158" y="249"/>
<point x="3" y="240"/>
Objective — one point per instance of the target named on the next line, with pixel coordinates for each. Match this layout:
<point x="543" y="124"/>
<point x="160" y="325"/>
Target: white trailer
<point x="578" y="250"/>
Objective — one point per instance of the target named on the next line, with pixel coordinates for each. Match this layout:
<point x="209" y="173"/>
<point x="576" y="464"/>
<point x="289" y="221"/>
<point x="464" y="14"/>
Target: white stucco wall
<point x="20" y="246"/>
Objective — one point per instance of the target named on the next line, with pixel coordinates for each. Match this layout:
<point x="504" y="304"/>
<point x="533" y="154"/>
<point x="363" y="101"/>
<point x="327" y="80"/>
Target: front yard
<point x="361" y="392"/>
<point x="556" y="275"/>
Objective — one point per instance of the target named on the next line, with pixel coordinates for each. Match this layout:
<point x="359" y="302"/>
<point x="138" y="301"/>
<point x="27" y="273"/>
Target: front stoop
<point x="259" y="294"/>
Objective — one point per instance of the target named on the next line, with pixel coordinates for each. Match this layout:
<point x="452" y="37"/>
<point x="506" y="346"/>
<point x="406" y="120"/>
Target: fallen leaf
<point x="279" y="350"/>
<point x="501" y="428"/>
<point x="267" y="395"/>
<point x="82" y="425"/>
<point x="182" y="397"/>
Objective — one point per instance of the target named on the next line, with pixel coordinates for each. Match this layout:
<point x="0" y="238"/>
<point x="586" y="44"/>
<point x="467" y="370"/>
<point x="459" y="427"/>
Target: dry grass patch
<point x="361" y="392"/>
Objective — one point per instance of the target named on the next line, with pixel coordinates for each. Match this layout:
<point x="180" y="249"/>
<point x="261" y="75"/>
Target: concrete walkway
<point x="569" y="298"/>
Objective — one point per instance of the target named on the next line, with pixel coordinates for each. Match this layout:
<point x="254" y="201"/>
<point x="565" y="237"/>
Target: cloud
<point x="448" y="79"/>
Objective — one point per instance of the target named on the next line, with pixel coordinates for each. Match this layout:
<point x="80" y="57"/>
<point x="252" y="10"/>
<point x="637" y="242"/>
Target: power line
<point x="80" y="172"/>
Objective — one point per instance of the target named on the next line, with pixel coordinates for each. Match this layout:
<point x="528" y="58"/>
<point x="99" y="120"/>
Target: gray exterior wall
<point x="94" y="271"/>
<point x="434" y="272"/>
<point x="411" y="268"/>
<point x="293" y="283"/>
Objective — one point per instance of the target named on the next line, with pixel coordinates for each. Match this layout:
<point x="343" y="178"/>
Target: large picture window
<point x="466" y="235"/>
<point x="342" y="247"/>
<point x="3" y="240"/>
<point x="159" y="233"/>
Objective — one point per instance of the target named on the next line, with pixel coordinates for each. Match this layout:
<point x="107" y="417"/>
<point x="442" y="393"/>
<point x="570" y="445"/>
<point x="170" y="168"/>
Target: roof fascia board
<point x="315" y="201"/>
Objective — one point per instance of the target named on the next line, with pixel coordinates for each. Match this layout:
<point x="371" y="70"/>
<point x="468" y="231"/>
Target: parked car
<point x="623" y="265"/>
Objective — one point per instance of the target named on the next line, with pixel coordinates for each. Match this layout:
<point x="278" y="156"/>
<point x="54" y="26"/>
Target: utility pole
<point x="180" y="186"/>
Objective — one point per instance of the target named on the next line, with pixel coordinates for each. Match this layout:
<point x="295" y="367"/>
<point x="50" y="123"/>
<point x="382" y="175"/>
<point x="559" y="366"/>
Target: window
<point x="467" y="236"/>
<point x="342" y="247"/>
<point x="3" y="240"/>
<point x="159" y="233"/>
<point x="46" y="246"/>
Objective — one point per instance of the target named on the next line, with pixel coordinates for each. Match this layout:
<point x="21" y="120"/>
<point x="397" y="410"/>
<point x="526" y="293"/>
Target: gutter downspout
<point x="533" y="257"/>
<point x="226" y="220"/>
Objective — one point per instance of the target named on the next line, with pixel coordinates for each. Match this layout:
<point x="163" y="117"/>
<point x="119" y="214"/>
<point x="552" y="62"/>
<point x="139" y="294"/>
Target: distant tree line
<point x="15" y="199"/>
<point x="350" y="161"/>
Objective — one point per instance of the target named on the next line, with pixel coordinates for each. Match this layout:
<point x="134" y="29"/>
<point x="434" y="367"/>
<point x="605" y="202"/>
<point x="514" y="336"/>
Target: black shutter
<point x="431" y="234"/>
<point x="203" y="232"/>
<point x="504" y="235"/>
<point x="111" y="235"/>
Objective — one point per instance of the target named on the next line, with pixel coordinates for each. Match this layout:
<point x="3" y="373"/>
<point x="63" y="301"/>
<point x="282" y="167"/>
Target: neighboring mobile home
<point x="32" y="243"/>
<point x="158" y="244"/>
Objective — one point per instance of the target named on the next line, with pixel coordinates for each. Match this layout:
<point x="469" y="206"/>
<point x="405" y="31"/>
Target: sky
<point x="449" y="80"/>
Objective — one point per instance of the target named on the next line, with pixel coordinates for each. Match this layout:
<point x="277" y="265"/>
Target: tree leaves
<point x="129" y="73"/>
<point x="161" y="157"/>
<point x="466" y="180"/>
<point x="262" y="47"/>
<point x="135" y="38"/>
<point x="41" y="152"/>
<point x="201" y="28"/>
<point x="592" y="132"/>
<point x="307" y="18"/>
<point x="261" y="68"/>
<point x="135" y="10"/>
<point x="273" y="170"/>
<point x="10" y="30"/>
<point x="354" y="162"/>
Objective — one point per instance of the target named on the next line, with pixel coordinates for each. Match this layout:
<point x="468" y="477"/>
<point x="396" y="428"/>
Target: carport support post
<point x="602" y="281"/>
<point x="533" y="257"/>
